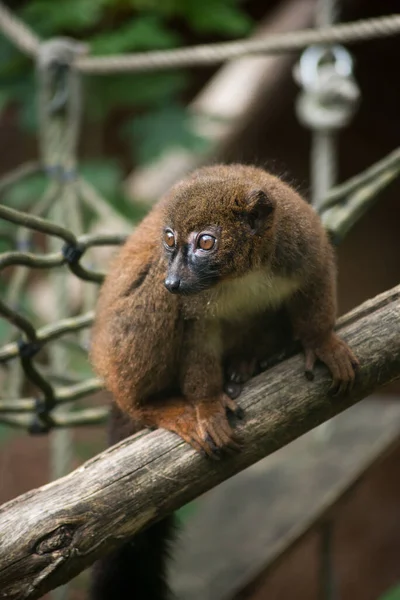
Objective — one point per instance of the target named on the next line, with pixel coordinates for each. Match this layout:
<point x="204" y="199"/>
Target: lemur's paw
<point x="339" y="359"/>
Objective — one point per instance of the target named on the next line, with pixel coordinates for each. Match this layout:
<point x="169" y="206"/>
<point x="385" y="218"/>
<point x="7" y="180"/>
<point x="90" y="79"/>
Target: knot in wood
<point x="56" y="540"/>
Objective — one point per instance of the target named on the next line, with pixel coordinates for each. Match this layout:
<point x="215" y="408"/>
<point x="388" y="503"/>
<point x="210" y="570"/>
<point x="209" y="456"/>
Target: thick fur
<point x="269" y="277"/>
<point x="161" y="354"/>
<point x="136" y="571"/>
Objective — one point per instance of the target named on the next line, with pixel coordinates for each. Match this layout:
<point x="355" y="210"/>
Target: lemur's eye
<point x="169" y="239"/>
<point x="206" y="242"/>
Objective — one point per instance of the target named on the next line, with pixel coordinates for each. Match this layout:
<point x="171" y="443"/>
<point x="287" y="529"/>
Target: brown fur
<point x="162" y="354"/>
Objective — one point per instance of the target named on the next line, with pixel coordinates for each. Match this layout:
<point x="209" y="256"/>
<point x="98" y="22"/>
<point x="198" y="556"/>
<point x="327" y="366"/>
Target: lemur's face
<point x="193" y="264"/>
<point x="211" y="233"/>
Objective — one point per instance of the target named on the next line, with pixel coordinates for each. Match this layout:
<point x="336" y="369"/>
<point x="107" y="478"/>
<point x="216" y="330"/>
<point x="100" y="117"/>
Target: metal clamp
<point x="330" y="95"/>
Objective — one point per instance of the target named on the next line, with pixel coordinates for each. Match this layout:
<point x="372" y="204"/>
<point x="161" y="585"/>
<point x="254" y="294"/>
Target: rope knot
<point x="72" y="253"/>
<point x="59" y="103"/>
<point x="42" y="421"/>
<point x="39" y="427"/>
<point x="28" y="349"/>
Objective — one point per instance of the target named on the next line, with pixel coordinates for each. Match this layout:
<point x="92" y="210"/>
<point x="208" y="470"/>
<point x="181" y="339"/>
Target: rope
<point x="324" y="158"/>
<point x="324" y="165"/>
<point x="326" y="13"/>
<point x="210" y="54"/>
<point x="342" y="207"/>
<point x="17" y="32"/>
<point x="59" y="106"/>
<point x="58" y="61"/>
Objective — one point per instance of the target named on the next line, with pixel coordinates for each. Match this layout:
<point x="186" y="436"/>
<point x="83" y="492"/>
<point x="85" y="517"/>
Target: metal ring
<point x="310" y="61"/>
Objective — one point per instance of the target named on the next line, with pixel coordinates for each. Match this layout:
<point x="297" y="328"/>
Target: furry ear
<point x="259" y="209"/>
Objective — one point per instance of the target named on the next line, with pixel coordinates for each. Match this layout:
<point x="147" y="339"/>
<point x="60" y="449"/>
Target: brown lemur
<point x="224" y="270"/>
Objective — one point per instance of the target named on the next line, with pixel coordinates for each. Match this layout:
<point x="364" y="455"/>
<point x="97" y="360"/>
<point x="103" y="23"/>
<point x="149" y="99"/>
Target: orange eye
<point x="169" y="239"/>
<point x="206" y="242"/>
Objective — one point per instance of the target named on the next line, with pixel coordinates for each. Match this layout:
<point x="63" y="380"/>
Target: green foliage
<point x="222" y="18"/>
<point x="143" y="90"/>
<point x="48" y="17"/>
<point x="392" y="594"/>
<point x="208" y="16"/>
<point x="155" y="131"/>
<point x="155" y="118"/>
<point x="105" y="175"/>
<point x="146" y="33"/>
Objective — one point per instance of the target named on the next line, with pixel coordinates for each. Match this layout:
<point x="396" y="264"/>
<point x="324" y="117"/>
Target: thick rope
<point x="216" y="53"/>
<point x="338" y="219"/>
<point x="17" y="32"/>
<point x="209" y="54"/>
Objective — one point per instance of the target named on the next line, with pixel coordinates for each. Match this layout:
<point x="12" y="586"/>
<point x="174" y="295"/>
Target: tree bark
<point x="50" y="534"/>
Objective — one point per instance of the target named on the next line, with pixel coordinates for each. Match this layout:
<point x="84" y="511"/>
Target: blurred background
<point x="321" y="517"/>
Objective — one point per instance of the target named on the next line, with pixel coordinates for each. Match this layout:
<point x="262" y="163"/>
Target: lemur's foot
<point x="202" y="423"/>
<point x="339" y="359"/>
<point x="214" y="432"/>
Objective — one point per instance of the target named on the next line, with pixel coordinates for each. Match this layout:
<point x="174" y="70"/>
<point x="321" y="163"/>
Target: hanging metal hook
<point x="330" y="94"/>
<point x="314" y="57"/>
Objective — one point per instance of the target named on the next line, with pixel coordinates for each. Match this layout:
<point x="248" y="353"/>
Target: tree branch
<point x="50" y="534"/>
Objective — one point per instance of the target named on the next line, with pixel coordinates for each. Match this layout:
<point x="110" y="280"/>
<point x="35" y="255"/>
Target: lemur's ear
<point x="259" y="209"/>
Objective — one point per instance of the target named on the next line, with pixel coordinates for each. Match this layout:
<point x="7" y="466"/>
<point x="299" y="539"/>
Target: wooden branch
<point x="50" y="534"/>
<point x="331" y="463"/>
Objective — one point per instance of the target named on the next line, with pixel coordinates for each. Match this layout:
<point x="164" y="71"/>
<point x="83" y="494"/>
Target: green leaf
<point x="209" y="16"/>
<point x="143" y="33"/>
<point x="392" y="594"/>
<point x="140" y="90"/>
<point x="12" y="62"/>
<point x="166" y="7"/>
<point x="48" y="17"/>
<point x="169" y="126"/>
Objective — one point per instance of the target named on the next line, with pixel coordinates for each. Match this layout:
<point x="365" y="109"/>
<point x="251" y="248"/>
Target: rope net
<point x="60" y="64"/>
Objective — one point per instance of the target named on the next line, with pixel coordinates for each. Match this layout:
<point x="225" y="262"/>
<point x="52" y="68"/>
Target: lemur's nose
<point x="172" y="283"/>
